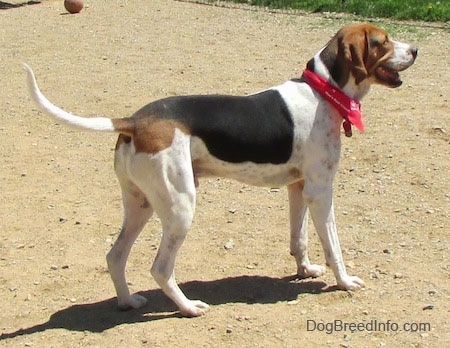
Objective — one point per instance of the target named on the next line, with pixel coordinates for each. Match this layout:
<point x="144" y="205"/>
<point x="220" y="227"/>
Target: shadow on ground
<point x="7" y="5"/>
<point x="101" y="316"/>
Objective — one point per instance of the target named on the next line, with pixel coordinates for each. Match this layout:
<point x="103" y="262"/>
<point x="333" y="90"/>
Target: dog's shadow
<point x="101" y="316"/>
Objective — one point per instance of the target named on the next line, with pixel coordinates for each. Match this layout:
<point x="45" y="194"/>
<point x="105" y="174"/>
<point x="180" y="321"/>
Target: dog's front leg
<point x="299" y="233"/>
<point x="320" y="203"/>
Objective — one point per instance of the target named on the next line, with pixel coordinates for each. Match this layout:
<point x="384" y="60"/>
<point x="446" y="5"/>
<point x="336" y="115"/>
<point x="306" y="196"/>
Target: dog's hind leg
<point x="137" y="211"/>
<point x="167" y="179"/>
<point x="299" y="233"/>
<point x="175" y="226"/>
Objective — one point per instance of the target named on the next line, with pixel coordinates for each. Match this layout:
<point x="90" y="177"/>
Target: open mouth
<point x="387" y="76"/>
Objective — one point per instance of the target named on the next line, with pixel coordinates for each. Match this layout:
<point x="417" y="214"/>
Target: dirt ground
<point x="61" y="207"/>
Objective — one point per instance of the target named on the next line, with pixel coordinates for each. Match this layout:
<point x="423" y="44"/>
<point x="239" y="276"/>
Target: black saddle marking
<point x="256" y="128"/>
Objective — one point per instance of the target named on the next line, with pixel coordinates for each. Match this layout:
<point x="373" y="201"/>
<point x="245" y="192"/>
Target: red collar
<point x="350" y="109"/>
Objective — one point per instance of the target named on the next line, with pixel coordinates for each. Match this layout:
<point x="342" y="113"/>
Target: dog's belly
<point x="269" y="175"/>
<point x="256" y="174"/>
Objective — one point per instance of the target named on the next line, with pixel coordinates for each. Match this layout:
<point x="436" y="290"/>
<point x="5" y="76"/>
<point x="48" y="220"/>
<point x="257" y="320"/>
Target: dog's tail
<point x="101" y="124"/>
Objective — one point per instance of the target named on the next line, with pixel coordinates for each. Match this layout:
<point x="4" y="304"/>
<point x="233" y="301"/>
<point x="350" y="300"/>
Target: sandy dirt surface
<point x="61" y="207"/>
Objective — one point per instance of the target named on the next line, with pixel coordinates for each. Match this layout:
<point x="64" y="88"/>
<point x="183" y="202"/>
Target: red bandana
<point x="349" y="108"/>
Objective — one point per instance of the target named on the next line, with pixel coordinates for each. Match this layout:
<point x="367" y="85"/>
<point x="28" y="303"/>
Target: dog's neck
<point x="330" y="68"/>
<point x="348" y="108"/>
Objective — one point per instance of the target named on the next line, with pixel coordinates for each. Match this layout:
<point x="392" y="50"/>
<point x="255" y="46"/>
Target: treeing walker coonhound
<point x="285" y="135"/>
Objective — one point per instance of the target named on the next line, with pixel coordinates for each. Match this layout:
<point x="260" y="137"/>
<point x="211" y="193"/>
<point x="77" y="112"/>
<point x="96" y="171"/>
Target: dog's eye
<point x="377" y="42"/>
<point x="374" y="43"/>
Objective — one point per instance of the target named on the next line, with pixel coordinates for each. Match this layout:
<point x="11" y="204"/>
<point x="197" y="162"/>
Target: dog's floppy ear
<point x="353" y="48"/>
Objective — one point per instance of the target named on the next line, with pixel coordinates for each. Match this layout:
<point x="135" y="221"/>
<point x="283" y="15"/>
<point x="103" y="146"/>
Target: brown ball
<point x="73" y="6"/>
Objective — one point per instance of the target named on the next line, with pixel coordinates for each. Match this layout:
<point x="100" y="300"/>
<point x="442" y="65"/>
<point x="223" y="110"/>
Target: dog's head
<point x="361" y="54"/>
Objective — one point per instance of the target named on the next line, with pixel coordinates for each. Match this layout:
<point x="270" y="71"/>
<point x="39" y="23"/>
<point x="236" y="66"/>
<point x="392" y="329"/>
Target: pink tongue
<point x="387" y="74"/>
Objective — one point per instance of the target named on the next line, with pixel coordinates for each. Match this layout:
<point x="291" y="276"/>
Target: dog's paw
<point x="134" y="301"/>
<point x="351" y="283"/>
<point x="194" y="308"/>
<point x="310" y="271"/>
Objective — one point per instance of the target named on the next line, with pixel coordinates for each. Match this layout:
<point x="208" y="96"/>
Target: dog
<point x="287" y="135"/>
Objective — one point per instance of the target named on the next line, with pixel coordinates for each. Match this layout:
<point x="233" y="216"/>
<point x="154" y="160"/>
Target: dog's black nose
<point x="414" y="51"/>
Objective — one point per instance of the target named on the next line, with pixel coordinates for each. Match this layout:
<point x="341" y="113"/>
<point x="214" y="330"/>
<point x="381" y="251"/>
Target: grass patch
<point x="423" y="10"/>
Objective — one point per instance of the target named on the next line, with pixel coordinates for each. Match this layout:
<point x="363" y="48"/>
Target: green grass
<point x="424" y="10"/>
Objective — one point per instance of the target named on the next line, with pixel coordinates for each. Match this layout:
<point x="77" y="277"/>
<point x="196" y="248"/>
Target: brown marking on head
<point x="356" y="49"/>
